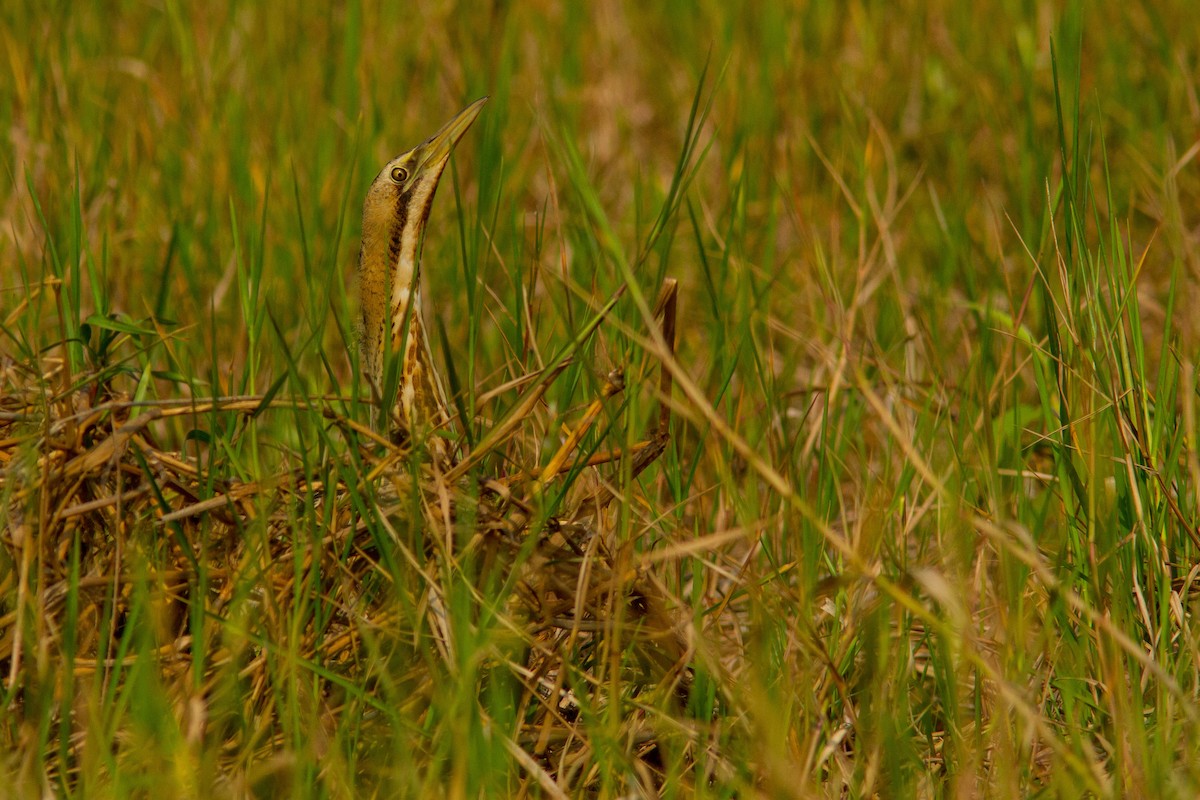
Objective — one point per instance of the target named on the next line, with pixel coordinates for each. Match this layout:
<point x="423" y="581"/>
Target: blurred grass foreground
<point x="825" y="377"/>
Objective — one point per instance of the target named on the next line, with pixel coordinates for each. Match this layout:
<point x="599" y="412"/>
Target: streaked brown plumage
<point x="389" y="266"/>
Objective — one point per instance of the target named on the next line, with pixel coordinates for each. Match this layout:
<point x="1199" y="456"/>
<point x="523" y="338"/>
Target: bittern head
<point x="394" y="215"/>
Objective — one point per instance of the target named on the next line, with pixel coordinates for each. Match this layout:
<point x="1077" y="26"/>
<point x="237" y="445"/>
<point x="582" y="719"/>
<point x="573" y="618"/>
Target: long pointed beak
<point x="437" y="147"/>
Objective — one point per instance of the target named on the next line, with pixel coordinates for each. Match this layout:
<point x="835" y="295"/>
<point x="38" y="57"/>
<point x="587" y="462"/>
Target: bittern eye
<point x="399" y="174"/>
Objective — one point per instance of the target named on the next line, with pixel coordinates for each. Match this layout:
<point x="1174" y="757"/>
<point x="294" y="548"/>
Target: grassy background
<point x="936" y="303"/>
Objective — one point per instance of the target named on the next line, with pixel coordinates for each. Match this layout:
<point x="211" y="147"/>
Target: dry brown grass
<point x="89" y="488"/>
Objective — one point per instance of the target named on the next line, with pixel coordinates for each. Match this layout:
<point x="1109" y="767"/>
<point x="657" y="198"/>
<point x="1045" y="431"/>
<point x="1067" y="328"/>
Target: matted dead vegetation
<point x="110" y="531"/>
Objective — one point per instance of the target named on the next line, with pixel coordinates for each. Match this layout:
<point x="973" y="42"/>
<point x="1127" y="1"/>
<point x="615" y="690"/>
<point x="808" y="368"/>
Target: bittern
<point x="389" y="265"/>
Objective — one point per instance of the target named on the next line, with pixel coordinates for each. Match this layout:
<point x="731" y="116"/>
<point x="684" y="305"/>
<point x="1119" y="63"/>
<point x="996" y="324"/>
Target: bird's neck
<point x="420" y="400"/>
